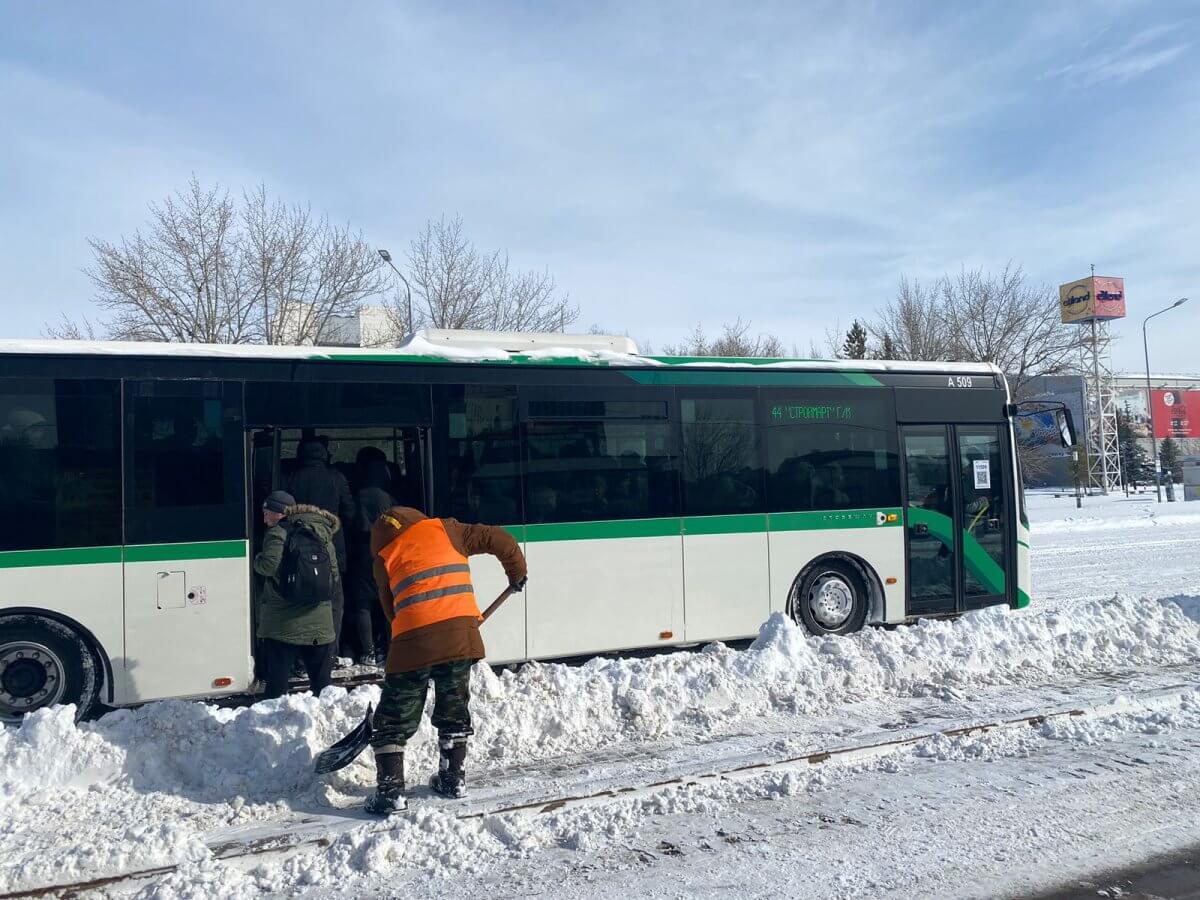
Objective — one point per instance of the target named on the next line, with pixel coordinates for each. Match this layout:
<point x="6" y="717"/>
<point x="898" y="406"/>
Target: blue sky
<point x="671" y="163"/>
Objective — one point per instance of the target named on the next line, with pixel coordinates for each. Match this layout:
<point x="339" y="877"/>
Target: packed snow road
<point x="193" y="788"/>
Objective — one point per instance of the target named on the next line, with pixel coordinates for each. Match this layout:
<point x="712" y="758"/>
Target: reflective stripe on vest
<point x="429" y="579"/>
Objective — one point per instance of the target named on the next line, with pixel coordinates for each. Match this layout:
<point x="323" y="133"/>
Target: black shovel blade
<point x="347" y="749"/>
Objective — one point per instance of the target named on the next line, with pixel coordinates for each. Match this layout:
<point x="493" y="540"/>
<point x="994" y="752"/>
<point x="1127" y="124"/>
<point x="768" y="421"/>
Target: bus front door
<point x="957" y="519"/>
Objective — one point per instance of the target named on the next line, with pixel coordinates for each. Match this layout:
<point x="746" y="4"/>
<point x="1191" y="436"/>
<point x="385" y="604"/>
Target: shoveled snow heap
<point x="264" y="752"/>
<point x="173" y="770"/>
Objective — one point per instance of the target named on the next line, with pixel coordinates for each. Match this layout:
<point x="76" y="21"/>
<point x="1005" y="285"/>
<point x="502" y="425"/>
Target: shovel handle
<point x="508" y="592"/>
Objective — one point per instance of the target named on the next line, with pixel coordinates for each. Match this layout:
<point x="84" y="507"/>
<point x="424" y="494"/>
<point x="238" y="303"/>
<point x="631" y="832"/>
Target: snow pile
<point x="544" y="710"/>
<point x="430" y="841"/>
<point x="264" y="753"/>
<point x="204" y="752"/>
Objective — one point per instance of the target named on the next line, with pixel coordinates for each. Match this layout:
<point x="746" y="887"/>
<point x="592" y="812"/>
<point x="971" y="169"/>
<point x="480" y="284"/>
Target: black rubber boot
<point x="389" y="791"/>
<point x="451" y="777"/>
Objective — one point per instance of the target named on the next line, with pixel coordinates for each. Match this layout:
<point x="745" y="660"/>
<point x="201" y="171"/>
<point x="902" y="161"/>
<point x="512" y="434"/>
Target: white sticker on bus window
<point x="983" y="474"/>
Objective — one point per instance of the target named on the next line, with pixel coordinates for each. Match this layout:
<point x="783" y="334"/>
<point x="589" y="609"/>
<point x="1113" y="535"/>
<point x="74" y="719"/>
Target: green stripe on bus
<point x="753" y="523"/>
<point x="1021" y="543"/>
<point x="1022" y="599"/>
<point x="749" y="370"/>
<point x="198" y="550"/>
<point x="749" y="376"/>
<point x="71" y="556"/>
<point x="840" y="518"/>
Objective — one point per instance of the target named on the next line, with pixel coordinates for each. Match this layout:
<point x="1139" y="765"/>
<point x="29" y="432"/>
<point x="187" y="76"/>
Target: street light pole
<point x="1150" y="397"/>
<point x="387" y="258"/>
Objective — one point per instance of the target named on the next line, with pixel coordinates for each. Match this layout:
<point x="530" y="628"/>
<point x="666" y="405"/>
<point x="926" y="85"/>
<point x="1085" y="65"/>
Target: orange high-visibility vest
<point x="430" y="580"/>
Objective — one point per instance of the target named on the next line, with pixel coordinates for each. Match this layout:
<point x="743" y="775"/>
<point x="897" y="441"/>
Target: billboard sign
<point x="1095" y="298"/>
<point x="1176" y="413"/>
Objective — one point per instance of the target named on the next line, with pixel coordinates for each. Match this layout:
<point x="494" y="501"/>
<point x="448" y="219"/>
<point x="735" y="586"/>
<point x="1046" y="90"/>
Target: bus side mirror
<point x="1066" y="427"/>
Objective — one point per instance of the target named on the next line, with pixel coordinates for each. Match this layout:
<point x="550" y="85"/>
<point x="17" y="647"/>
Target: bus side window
<point x="185" y="480"/>
<point x="614" y="466"/>
<point x="484" y="477"/>
<point x="60" y="473"/>
<point x="825" y="466"/>
<point x="719" y="457"/>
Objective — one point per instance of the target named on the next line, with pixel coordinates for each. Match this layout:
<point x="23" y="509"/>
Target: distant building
<point x="1176" y="400"/>
<point x="368" y="327"/>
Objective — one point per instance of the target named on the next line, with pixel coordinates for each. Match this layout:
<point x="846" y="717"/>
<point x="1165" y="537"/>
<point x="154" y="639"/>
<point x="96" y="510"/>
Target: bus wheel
<point x="830" y="598"/>
<point x="43" y="663"/>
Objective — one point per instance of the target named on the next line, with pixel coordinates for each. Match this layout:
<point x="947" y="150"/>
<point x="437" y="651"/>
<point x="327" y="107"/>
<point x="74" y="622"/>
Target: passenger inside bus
<point x="365" y="628"/>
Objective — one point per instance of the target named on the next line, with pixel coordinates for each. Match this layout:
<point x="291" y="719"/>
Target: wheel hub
<point x="31" y="676"/>
<point x="831" y="600"/>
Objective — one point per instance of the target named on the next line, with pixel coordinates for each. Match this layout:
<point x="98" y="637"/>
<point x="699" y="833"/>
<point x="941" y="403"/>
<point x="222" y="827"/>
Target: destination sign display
<point x="812" y="412"/>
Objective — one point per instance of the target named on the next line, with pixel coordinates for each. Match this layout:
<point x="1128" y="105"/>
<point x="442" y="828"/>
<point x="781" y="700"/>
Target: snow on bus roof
<point x="419" y="350"/>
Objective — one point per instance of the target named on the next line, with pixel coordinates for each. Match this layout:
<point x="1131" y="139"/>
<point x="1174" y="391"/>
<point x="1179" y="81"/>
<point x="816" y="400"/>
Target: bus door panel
<point x="186" y="557"/>
<point x="930" y="519"/>
<point x="986" y="527"/>
<point x="958" y="517"/>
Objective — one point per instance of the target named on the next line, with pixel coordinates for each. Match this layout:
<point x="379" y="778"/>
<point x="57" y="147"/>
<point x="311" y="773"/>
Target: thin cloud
<point x="1133" y="60"/>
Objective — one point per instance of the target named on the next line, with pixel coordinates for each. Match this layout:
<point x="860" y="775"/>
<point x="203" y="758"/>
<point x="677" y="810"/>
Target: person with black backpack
<point x="298" y="565"/>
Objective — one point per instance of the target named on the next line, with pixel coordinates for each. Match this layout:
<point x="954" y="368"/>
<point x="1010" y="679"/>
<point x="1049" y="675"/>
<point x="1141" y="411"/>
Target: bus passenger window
<point x="483" y="463"/>
<point x="616" y="466"/>
<point x="60" y="473"/>
<point x="177" y="452"/>
<point x="827" y="466"/>
<point x="719" y="459"/>
<point x="186" y="474"/>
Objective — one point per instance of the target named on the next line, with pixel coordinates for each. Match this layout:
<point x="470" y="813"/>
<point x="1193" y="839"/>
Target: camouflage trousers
<point x="399" y="713"/>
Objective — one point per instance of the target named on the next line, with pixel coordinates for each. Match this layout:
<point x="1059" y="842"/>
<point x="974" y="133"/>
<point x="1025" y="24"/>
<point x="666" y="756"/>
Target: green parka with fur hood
<point x="279" y="620"/>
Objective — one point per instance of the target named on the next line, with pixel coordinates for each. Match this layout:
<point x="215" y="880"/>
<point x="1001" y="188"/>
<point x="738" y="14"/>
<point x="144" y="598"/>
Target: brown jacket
<point x="453" y="639"/>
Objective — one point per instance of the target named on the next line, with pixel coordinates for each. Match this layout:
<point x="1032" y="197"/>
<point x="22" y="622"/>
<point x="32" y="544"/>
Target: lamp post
<point x="1150" y="398"/>
<point x="387" y="258"/>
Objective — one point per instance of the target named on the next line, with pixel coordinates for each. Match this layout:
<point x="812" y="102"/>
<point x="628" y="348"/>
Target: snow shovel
<point x="348" y="748"/>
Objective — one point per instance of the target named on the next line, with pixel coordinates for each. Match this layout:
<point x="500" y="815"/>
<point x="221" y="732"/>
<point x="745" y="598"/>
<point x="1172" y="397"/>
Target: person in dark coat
<point x="362" y="605"/>
<point x="316" y="483"/>
<point x="289" y="631"/>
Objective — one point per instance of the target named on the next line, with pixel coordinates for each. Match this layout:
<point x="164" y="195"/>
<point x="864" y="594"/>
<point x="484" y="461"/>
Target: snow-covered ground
<point x="1113" y="634"/>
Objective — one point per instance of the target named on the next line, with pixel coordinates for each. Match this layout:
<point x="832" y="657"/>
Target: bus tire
<point x="44" y="663"/>
<point x="830" y="597"/>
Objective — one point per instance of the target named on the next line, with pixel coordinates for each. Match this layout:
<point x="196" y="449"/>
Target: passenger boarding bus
<point x="659" y="501"/>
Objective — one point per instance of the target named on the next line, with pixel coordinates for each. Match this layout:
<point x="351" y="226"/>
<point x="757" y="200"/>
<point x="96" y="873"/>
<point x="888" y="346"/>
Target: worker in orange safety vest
<point x="424" y="579"/>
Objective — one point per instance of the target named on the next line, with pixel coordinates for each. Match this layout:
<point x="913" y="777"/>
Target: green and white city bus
<point x="660" y="501"/>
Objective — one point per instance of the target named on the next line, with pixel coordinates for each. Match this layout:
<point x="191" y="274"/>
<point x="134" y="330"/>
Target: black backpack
<point x="306" y="572"/>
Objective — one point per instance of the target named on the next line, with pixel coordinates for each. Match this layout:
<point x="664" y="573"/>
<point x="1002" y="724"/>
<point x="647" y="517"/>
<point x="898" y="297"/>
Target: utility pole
<point x="1150" y="398"/>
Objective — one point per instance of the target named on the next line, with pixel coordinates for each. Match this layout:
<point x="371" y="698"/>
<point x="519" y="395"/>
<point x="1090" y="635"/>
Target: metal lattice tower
<point x="1104" y="457"/>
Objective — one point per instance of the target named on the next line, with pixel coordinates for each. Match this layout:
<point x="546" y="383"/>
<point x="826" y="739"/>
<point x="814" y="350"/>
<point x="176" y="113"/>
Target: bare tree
<point x="526" y="301"/>
<point x="210" y="270"/>
<point x="735" y="340"/>
<point x="982" y="317"/>
<point x="914" y="324"/>
<point x="456" y="285"/>
<point x="68" y="329"/>
<point x="1000" y="318"/>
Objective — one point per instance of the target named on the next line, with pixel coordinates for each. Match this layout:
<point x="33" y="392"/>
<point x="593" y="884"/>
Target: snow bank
<point x="264" y="753"/>
<point x="430" y="841"/>
<point x="1053" y="515"/>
